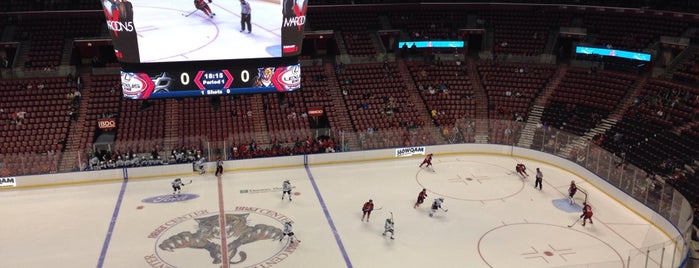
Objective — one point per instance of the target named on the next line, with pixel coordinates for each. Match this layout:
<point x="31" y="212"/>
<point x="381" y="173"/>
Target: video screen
<point x="151" y="31"/>
<point x="432" y="44"/>
<point x="613" y="53"/>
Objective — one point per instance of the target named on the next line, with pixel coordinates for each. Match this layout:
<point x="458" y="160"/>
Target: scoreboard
<point x="173" y="48"/>
<point x="223" y="78"/>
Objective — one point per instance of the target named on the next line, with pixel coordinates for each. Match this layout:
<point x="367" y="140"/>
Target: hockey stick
<point x="445" y="210"/>
<point x="190" y="182"/>
<point x="576" y="221"/>
<point x="378" y="208"/>
<point x="190" y="13"/>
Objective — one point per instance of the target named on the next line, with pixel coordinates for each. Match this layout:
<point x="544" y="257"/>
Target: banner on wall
<point x="8" y="182"/>
<point x="106" y="123"/>
<point x="410" y="151"/>
<point x="315" y="111"/>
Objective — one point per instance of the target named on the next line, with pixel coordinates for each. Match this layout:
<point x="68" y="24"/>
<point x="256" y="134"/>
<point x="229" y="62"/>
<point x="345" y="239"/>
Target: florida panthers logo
<point x="264" y="77"/>
<point x="197" y="238"/>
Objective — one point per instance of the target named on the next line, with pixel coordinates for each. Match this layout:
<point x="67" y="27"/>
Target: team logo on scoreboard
<point x="161" y="83"/>
<point x="238" y="242"/>
<point x="264" y="77"/>
<point x="287" y="78"/>
<point x="136" y="85"/>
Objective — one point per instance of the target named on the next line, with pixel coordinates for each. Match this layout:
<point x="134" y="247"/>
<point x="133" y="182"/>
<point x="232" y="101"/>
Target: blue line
<point x="108" y="238"/>
<point x="327" y="216"/>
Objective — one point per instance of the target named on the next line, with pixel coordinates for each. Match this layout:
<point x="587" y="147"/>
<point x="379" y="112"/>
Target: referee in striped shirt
<point x="245" y="16"/>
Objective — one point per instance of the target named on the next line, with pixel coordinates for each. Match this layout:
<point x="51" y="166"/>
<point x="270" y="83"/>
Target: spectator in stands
<point x="338" y="68"/>
<point x="519" y="118"/>
<point x="19" y="117"/>
<point x="4" y="63"/>
<point x="79" y="83"/>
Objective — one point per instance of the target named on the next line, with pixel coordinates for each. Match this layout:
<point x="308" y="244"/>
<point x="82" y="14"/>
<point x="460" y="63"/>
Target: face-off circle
<point x="544" y="245"/>
<point x="470" y="181"/>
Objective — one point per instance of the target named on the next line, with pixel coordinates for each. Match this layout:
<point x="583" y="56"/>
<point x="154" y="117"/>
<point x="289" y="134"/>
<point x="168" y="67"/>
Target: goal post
<point x="581" y="196"/>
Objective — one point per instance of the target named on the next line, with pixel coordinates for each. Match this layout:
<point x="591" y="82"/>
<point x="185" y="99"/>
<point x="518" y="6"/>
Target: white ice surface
<point x="494" y="219"/>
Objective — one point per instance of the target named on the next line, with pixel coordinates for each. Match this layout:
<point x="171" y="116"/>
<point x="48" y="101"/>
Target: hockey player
<point x="586" y="214"/>
<point x="388" y="227"/>
<point x="366" y="210"/>
<point x="219" y="167"/>
<point x="539" y="178"/>
<point x="522" y="170"/>
<point x="177" y="186"/>
<point x="420" y="198"/>
<point x="204" y="7"/>
<point x="437" y="204"/>
<point x="286" y="188"/>
<point x="288" y="232"/>
<point x="199" y="165"/>
<point x="572" y="189"/>
<point x="427" y="160"/>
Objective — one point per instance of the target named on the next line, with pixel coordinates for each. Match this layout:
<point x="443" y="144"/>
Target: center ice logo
<point x="196" y="238"/>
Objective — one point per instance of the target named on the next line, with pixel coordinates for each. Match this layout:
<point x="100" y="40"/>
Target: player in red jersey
<point x="420" y="198"/>
<point x="521" y="170"/>
<point x="587" y="213"/>
<point x="204" y="7"/>
<point x="366" y="209"/>
<point x="428" y="160"/>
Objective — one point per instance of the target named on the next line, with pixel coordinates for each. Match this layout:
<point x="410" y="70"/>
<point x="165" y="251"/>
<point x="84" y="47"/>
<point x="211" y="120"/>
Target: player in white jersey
<point x="199" y="165"/>
<point x="288" y="232"/>
<point x="388" y="227"/>
<point x="436" y="205"/>
<point x="177" y="186"/>
<point x="286" y="188"/>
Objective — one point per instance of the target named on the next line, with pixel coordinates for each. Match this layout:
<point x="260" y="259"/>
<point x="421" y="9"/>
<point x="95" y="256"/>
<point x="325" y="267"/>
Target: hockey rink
<point x="493" y="218"/>
<point x="173" y="30"/>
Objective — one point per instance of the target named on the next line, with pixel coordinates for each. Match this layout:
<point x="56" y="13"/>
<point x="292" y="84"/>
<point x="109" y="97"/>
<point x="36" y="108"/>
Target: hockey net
<point x="581" y="196"/>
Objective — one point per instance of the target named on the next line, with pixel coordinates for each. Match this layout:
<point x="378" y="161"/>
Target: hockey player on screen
<point x="204" y="7"/>
<point x="586" y="214"/>
<point x="427" y="160"/>
<point x="177" y="186"/>
<point x="522" y="170"/>
<point x="420" y="198"/>
<point x="572" y="189"/>
<point x="436" y="205"/>
<point x="288" y="232"/>
<point x="119" y="15"/>
<point x="286" y="189"/>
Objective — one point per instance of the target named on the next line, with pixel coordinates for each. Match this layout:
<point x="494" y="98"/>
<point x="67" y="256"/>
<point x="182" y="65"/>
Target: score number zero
<point x="185" y="79"/>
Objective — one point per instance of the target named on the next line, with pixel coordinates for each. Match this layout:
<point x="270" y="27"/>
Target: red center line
<point x="222" y="226"/>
